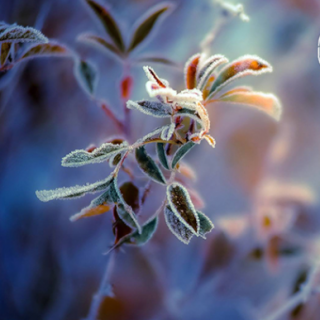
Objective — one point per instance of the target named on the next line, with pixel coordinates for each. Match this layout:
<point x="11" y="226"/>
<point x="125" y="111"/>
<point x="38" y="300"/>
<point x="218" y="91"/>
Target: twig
<point x="98" y="297"/>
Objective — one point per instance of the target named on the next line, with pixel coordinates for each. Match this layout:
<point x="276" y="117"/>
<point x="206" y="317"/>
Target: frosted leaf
<point x="181" y="152"/>
<point x="46" y="50"/>
<point x="190" y="113"/>
<point x="205" y="63"/>
<point x="74" y="192"/>
<point x="124" y="210"/>
<point x="190" y="71"/>
<point x="167" y="131"/>
<point x="176" y="226"/>
<point x="109" y="23"/>
<point x="181" y="205"/>
<point x="205" y="224"/>
<point x="153" y="77"/>
<point x="154" y="90"/>
<point x="4" y="26"/>
<point x="19" y="34"/>
<point x="149" y="136"/>
<point x="148" y="230"/>
<point x="79" y="158"/>
<point x="87" y="76"/>
<point x="210" y="140"/>
<point x="188" y="96"/>
<point x="99" y="42"/>
<point x="152" y="108"/>
<point x="146" y="24"/>
<point x="265" y="102"/>
<point x="90" y="212"/>
<point x="208" y="70"/>
<point x="162" y="155"/>
<point x="246" y="65"/>
<point x="148" y="166"/>
<point x="5" y="52"/>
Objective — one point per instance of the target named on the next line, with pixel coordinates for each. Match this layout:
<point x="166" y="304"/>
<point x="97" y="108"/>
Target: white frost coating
<point x="205" y="64"/>
<point x="20" y="34"/>
<point x="189" y="204"/>
<point x="263" y="104"/>
<point x="81" y="157"/>
<point x="151" y="78"/>
<point x="163" y="92"/>
<point x="193" y="95"/>
<point x="150" y="135"/>
<point x="73" y="192"/>
<point x="234" y="10"/>
<point x="241" y="74"/>
<point x="176" y="227"/>
<point x="151" y="108"/>
<point x="167" y="131"/>
<point x="206" y="75"/>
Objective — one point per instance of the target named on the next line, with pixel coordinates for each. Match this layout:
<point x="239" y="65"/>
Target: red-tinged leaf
<point x="187" y="171"/>
<point x="89" y="212"/>
<point x="158" y="60"/>
<point x="153" y="77"/>
<point x="235" y="90"/>
<point x="108" y="22"/>
<point x="190" y="71"/>
<point x="130" y="194"/>
<point x="265" y="102"/>
<point x="126" y="87"/>
<point x="246" y="65"/>
<point x="46" y="50"/>
<point x="100" y="43"/>
<point x="5" y="52"/>
<point x="146" y="24"/>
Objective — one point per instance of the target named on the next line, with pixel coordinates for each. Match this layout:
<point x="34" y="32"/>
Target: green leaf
<point x="125" y="211"/>
<point x="146" y="24"/>
<point x="108" y="22"/>
<point x="146" y="234"/>
<point x="148" y="166"/>
<point x="51" y="49"/>
<point x="181" y="205"/>
<point x="87" y="76"/>
<point x="82" y="157"/>
<point x="74" y="192"/>
<point x="162" y="155"/>
<point x="181" y="152"/>
<point x="100" y="43"/>
<point x="151" y="108"/>
<point x="19" y="34"/>
<point x="176" y="226"/>
<point x="205" y="224"/>
<point x="246" y="65"/>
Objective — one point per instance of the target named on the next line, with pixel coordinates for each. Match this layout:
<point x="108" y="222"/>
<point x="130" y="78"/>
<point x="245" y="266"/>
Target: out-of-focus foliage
<point x="259" y="185"/>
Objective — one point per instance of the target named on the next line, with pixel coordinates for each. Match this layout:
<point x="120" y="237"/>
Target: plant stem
<point x="102" y="292"/>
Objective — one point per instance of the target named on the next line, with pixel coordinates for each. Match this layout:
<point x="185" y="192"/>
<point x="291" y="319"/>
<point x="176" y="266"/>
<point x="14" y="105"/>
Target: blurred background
<point x="260" y="185"/>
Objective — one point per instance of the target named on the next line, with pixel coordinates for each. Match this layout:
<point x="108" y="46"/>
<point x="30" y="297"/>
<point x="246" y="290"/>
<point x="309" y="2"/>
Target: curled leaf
<point x="152" y="108"/>
<point x="108" y="22"/>
<point x="246" y="65"/>
<point x="190" y="71"/>
<point x="148" y="166"/>
<point x="15" y="34"/>
<point x="87" y="76"/>
<point x="205" y="224"/>
<point x="146" y="24"/>
<point x="74" y="192"/>
<point x="148" y="230"/>
<point x="99" y="42"/>
<point x="265" y="102"/>
<point x="176" y="226"/>
<point x="79" y="158"/>
<point x="181" y="205"/>
<point x="46" y="50"/>
<point x="162" y="155"/>
<point x="167" y="131"/>
<point x="181" y="152"/>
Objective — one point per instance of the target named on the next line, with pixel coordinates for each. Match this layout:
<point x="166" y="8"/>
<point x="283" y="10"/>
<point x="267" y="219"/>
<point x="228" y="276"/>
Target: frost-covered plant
<point x="189" y="125"/>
